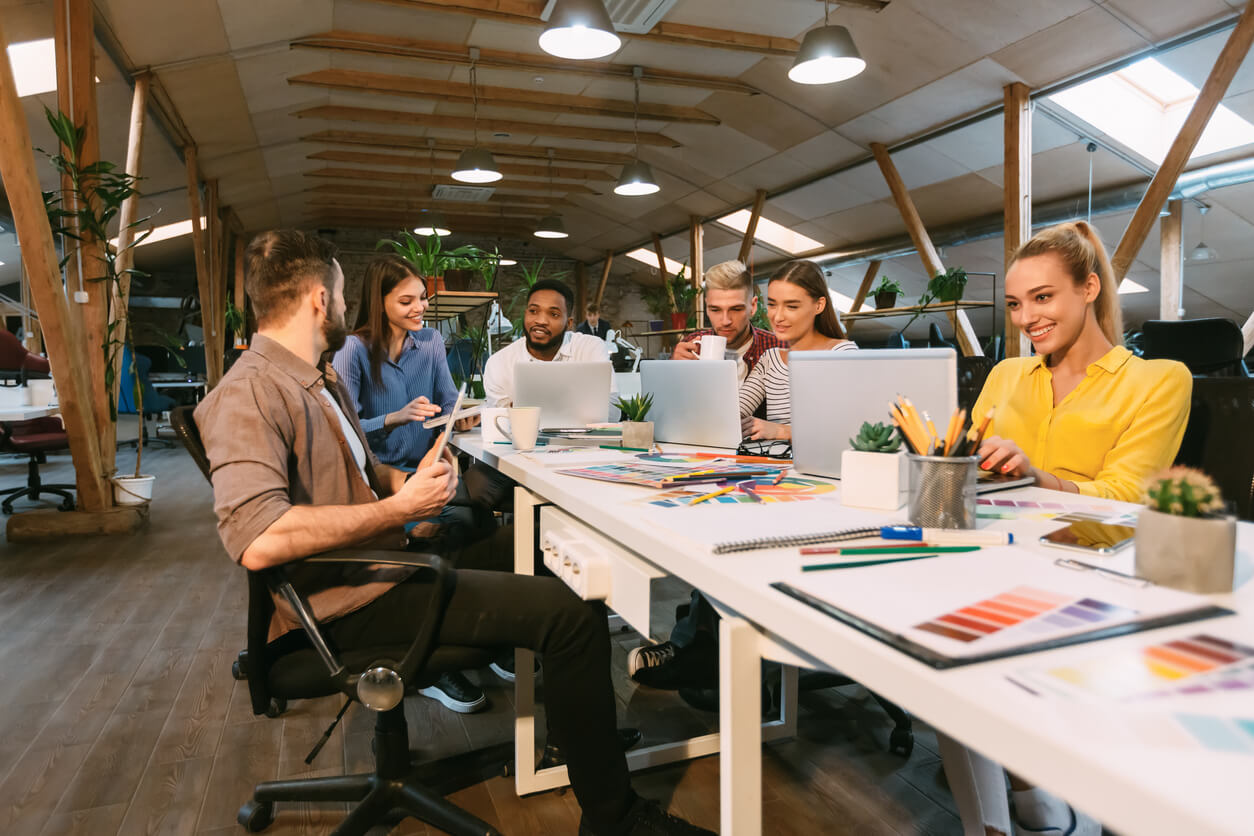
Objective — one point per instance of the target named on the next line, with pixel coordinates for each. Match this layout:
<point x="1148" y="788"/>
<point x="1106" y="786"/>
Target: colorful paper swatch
<point x="1039" y="610"/>
<point x="790" y="489"/>
<point x="656" y="475"/>
<point x="1220" y="734"/>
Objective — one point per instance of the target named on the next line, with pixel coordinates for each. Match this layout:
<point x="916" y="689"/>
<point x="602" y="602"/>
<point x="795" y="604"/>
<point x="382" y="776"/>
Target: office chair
<point x="303" y="665"/>
<point x="1217" y="438"/>
<point x="154" y="402"/>
<point x="935" y="339"/>
<point x="17" y="364"/>
<point x="35" y="438"/>
<point x="1207" y="346"/>
<point x="972" y="372"/>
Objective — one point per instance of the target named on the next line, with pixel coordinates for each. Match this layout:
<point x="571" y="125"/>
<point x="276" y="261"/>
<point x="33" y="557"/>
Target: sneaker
<point x="1037" y="803"/>
<point x="457" y="693"/>
<point x="647" y="818"/>
<point x="503" y="666"/>
<point x="668" y="667"/>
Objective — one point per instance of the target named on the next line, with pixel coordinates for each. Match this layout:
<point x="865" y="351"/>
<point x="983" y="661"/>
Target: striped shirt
<point x="769" y="382"/>
<point x="420" y="369"/>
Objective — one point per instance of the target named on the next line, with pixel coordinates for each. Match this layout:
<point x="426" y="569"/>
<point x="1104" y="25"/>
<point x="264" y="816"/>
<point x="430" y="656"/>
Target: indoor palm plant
<point x="1183" y="538"/>
<point x="873" y="471"/>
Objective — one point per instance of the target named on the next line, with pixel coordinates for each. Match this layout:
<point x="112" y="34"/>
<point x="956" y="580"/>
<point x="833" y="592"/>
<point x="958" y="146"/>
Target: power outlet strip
<point x="581" y="564"/>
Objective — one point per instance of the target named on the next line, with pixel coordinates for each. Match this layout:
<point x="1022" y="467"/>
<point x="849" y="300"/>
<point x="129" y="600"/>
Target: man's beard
<point x="552" y="343"/>
<point x="335" y="333"/>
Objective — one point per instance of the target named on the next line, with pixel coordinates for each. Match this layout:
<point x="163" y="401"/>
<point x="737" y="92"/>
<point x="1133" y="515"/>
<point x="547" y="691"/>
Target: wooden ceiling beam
<point x="497" y="199"/>
<point x="456" y="146"/>
<point x="443" y="166"/>
<point x="527" y="13"/>
<point x="417" y="207"/>
<point x="449" y="53"/>
<point x="361" y="81"/>
<point x="869" y="5"/>
<point x="416" y="180"/>
<point x="347" y="113"/>
<point x="400" y="220"/>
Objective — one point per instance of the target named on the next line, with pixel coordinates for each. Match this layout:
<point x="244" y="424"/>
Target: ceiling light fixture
<point x="551" y="226"/>
<point x="827" y="55"/>
<point x="476" y="165"/>
<point x="1202" y="252"/>
<point x="579" y="29"/>
<point x="637" y="177"/>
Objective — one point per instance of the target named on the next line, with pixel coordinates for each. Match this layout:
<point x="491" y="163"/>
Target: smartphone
<point x="1091" y="536"/>
<point x="442" y="441"/>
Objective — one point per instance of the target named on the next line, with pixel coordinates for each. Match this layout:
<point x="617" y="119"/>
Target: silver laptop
<point x="833" y="392"/>
<point x="694" y="402"/>
<point x="570" y="395"/>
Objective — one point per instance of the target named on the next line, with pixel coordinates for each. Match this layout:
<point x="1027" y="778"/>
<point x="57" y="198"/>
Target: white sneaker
<point x="1076" y="824"/>
<point x="456" y="693"/>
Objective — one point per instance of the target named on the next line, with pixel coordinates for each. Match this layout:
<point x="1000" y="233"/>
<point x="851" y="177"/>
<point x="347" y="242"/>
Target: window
<point x="649" y="257"/>
<point x="1128" y="286"/>
<point x="770" y="233"/>
<point x="163" y="233"/>
<point x="34" y="66"/>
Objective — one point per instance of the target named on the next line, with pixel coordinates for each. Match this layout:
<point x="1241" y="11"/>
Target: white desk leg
<point x="524" y="666"/>
<point x="740" y="729"/>
<point x="979" y="788"/>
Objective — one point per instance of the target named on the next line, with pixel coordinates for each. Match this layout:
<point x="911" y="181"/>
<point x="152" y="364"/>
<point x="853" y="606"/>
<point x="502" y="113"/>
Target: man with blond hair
<point x="730" y="301"/>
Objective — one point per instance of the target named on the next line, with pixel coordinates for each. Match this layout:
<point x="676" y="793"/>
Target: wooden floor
<point x="120" y="714"/>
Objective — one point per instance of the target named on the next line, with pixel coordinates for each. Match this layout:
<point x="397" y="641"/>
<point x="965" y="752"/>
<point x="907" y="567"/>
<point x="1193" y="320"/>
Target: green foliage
<point x="635" y="408"/>
<point x="886" y="285"/>
<point x="1184" y="492"/>
<point x="943" y="287"/>
<point x="233" y="318"/>
<point x="675" y="295"/>
<point x="429" y="258"/>
<point x="759" y="318"/>
<point x="876" y="438"/>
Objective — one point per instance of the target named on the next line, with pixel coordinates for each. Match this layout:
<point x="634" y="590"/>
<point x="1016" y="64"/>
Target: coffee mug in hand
<point x="524" y="426"/>
<point x="713" y="347"/>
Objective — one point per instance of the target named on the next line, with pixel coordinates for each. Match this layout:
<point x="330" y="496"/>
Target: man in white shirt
<point x="549" y="338"/>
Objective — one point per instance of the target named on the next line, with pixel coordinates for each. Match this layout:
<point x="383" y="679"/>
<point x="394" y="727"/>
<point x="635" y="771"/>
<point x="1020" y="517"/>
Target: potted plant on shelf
<point x="236" y="321"/>
<point x="81" y="212"/>
<point x="637" y="432"/>
<point x="1183" y="540"/>
<point x="434" y="263"/>
<point x="873" y="473"/>
<point x="886" y="293"/>
<point x="943" y="287"/>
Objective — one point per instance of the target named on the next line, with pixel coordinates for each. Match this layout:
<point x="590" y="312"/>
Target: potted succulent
<point x="637" y="432"/>
<point x="873" y="473"/>
<point x="886" y="293"/>
<point x="1183" y="540"/>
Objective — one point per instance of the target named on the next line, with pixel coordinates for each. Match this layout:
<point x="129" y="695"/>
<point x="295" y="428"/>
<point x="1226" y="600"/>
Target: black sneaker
<point x="647" y="818"/>
<point x="669" y="667"/>
<point x="457" y="693"/>
<point x="503" y="666"/>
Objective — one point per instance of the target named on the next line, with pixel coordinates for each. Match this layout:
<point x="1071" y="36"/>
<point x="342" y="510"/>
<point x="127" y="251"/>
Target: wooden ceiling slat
<point x="520" y="201"/>
<point x="400" y="206"/>
<point x="419" y="180"/>
<point x="354" y="81"/>
<point x="447" y="146"/>
<point x="444" y="166"/>
<point x="448" y="53"/>
<point x="348" y="113"/>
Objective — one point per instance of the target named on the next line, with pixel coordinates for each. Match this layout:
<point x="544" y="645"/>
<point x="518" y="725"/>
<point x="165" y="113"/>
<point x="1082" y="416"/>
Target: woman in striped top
<point x="801" y="314"/>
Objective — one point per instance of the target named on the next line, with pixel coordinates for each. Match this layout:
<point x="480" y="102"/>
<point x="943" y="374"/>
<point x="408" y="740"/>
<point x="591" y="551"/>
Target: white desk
<point x="27" y="413"/>
<point x="1133" y="788"/>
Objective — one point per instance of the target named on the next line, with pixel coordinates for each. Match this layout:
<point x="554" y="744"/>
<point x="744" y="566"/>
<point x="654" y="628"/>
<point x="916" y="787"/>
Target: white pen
<point x="947" y="536"/>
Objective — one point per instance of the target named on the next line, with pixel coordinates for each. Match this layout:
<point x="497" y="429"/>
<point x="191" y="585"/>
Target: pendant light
<point x="827" y="55"/>
<point x="551" y="226"/>
<point x="476" y="165"/>
<point x="637" y="177"/>
<point x="579" y="29"/>
<point x="432" y="221"/>
<point x="1202" y="252"/>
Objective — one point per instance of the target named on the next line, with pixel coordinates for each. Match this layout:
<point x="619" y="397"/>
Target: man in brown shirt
<point x="293" y="476"/>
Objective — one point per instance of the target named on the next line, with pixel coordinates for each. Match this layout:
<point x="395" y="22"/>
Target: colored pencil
<point x="857" y="564"/>
<point x="747" y="489"/>
<point x="628" y="449"/>
<point x="889" y="549"/>
<point x="718" y="492"/>
<point x="780" y="477"/>
<point x="741" y="459"/>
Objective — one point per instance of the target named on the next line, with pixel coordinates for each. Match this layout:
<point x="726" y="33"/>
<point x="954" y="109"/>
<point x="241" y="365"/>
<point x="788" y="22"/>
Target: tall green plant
<point x="85" y="210"/>
<point x="429" y="258"/>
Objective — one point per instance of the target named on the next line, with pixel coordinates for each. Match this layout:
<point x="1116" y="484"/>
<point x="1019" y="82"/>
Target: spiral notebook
<point x="794" y="540"/>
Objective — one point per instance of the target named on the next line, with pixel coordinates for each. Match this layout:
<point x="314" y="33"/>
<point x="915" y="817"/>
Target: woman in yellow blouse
<point x="1084" y="414"/>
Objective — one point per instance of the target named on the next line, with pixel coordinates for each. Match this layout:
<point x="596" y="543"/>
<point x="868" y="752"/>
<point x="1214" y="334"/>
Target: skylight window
<point x="1143" y="106"/>
<point x="34" y="66"/>
<point x="165" y="233"/>
<point x="840" y="301"/>
<point x="770" y="233"/>
<point x="1128" y="286"/>
<point x="646" y="256"/>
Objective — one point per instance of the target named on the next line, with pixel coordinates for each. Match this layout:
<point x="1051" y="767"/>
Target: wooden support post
<point x="1017" y="191"/>
<point x="605" y="275"/>
<point x="241" y="297"/>
<point x="210" y="309"/>
<point x="967" y="340"/>
<point x="120" y="305"/>
<point x="66" y="354"/>
<point x="1247" y="331"/>
<point x="746" y="243"/>
<point x="1226" y="66"/>
<point x="1171" y="273"/>
<point x="868" y="278"/>
<point x="661" y="268"/>
<point x="220" y="283"/>
<point x="581" y="292"/>
<point x="696" y="263"/>
<point x="198" y="234"/>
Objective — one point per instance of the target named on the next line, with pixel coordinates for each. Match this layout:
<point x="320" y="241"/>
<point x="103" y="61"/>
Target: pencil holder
<point x="942" y="491"/>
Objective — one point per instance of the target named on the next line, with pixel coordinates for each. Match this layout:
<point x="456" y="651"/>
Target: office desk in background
<point x="27" y="413"/>
<point x="1135" y="788"/>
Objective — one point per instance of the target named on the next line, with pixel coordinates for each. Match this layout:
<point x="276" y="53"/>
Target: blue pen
<point x="947" y="536"/>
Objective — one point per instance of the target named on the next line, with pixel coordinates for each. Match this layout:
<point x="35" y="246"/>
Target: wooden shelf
<point x="447" y="304"/>
<point x="667" y="333"/>
<point x="935" y="307"/>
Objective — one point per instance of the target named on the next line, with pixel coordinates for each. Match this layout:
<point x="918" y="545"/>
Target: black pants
<point x="498" y="609"/>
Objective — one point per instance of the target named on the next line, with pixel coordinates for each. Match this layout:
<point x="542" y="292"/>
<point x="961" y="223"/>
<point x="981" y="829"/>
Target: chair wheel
<point x="507" y="769"/>
<point x="276" y="708"/>
<point x="256" y="816"/>
<point x="236" y="673"/>
<point x="901" y="742"/>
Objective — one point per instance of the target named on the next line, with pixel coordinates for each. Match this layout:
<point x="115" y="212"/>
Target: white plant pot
<point x="638" y="434"/>
<point x="132" y="490"/>
<point x="873" y="480"/>
<point x="1196" y="554"/>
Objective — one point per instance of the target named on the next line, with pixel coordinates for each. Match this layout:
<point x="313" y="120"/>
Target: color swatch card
<point x="659" y="474"/>
<point x="759" y="490"/>
<point x="1034" y="611"/>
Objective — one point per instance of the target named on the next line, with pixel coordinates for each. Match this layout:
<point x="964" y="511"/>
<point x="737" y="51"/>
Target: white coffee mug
<point x="713" y="347"/>
<point x="487" y="423"/>
<point x="524" y="426"/>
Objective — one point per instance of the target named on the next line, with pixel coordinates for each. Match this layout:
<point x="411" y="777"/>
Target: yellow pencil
<point x="718" y="492"/>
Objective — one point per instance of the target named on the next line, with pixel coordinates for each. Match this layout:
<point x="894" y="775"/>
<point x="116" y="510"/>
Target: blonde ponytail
<point x="1080" y="248"/>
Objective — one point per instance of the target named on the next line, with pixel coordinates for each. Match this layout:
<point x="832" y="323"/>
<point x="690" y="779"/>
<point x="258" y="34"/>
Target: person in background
<point x="730" y="302"/>
<point x="1084" y="415"/>
<point x="396" y="374"/>
<point x="801" y="313"/>
<point x="593" y="325"/>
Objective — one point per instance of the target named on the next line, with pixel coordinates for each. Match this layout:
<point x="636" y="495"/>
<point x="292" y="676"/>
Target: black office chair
<point x="303" y="665"/>
<point x="1217" y="438"/>
<point x="1207" y="346"/>
<point x="935" y="339"/>
<point x="972" y="372"/>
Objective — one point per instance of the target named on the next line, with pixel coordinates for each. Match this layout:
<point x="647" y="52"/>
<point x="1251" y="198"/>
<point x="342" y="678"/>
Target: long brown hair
<point x="807" y="276"/>
<point x="1082" y="252"/>
<point x="383" y="274"/>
